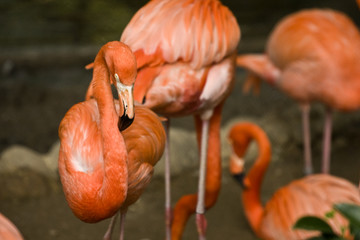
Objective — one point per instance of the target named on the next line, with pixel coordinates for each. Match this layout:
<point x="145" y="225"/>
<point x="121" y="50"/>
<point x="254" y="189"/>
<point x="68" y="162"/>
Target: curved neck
<point x="101" y="91"/>
<point x="251" y="195"/>
<point x="113" y="144"/>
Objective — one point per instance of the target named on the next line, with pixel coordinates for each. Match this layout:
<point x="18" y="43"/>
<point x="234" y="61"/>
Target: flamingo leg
<point x="327" y="141"/>
<point x="187" y="205"/>
<point x="122" y="223"/>
<point x="168" y="210"/>
<point x="200" y="206"/>
<point x="305" y="110"/>
<point x="110" y="229"/>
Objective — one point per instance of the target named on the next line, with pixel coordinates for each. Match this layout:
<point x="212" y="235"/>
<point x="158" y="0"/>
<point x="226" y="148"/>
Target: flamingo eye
<point x="117" y="77"/>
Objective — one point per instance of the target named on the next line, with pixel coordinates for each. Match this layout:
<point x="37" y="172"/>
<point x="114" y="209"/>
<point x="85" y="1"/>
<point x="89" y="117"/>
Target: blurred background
<point x="44" y="46"/>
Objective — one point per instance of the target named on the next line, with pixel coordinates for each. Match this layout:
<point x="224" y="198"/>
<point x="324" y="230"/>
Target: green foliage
<point x="349" y="211"/>
<point x="311" y="223"/>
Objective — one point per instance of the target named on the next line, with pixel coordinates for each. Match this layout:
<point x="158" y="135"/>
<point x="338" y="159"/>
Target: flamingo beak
<point x="126" y="99"/>
<point x="237" y="171"/>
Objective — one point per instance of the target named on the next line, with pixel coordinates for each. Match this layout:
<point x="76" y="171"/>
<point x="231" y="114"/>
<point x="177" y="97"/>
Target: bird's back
<point x="312" y="195"/>
<point x="318" y="52"/>
<point x="196" y="32"/>
<point x="313" y="34"/>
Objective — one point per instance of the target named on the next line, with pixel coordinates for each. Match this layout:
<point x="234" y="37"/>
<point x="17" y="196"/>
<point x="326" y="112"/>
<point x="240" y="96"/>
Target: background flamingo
<point x="102" y="169"/>
<point x="312" y="55"/>
<point x="186" y="66"/>
<point x="8" y="230"/>
<point x="311" y="195"/>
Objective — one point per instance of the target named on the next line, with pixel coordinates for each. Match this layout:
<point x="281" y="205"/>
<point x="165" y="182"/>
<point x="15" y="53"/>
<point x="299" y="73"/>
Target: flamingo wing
<point x="81" y="164"/>
<point x="145" y="143"/>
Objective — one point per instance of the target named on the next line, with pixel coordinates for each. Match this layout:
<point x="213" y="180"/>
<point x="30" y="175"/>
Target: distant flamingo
<point x="185" y="51"/>
<point x="312" y="55"/>
<point x="104" y="170"/>
<point x="8" y="230"/>
<point x="311" y="195"/>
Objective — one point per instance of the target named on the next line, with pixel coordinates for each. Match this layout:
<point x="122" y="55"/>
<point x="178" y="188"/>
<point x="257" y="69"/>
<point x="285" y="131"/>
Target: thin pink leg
<point x="327" y="141"/>
<point x="168" y="210"/>
<point x="110" y="229"/>
<point x="200" y="207"/>
<point x="305" y="110"/>
<point x="122" y="223"/>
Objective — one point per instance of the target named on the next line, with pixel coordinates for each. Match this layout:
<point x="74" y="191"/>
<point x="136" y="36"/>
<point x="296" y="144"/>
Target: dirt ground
<point x="32" y="107"/>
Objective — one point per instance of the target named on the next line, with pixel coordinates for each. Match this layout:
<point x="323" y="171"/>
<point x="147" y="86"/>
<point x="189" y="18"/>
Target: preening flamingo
<point x="312" y="55"/>
<point x="104" y="167"/>
<point x="185" y="52"/>
<point x="8" y="230"/>
<point x="311" y="195"/>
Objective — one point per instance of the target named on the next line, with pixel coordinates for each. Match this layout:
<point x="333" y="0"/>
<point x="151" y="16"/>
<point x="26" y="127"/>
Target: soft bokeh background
<point x="44" y="46"/>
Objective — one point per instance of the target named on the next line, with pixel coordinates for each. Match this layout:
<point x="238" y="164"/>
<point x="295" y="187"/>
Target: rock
<point x="51" y="160"/>
<point x="23" y="183"/>
<point x="16" y="157"/>
<point x="26" y="173"/>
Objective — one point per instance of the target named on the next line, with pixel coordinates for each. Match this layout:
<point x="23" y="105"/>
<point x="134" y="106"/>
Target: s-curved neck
<point x="113" y="144"/>
<point x="251" y="195"/>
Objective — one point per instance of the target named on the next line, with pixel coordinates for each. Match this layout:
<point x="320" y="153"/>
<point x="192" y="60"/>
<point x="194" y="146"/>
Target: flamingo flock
<point x="186" y="66"/>
<point x="178" y="58"/>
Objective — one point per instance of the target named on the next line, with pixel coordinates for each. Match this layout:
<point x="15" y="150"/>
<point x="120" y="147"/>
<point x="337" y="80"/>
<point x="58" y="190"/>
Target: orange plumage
<point x="104" y="170"/>
<point x="311" y="195"/>
<point x="185" y="51"/>
<point x="312" y="55"/>
<point x="8" y="230"/>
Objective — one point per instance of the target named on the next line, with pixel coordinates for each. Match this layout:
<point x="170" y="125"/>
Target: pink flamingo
<point x="185" y="52"/>
<point x="8" y="230"/>
<point x="106" y="158"/>
<point x="312" y="55"/>
<point x="311" y="195"/>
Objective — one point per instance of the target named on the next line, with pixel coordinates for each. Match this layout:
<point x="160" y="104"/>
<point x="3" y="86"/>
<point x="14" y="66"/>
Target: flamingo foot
<point x="201" y="225"/>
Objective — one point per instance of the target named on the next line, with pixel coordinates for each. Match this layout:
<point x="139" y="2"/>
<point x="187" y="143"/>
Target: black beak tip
<point x="240" y="177"/>
<point x="124" y="122"/>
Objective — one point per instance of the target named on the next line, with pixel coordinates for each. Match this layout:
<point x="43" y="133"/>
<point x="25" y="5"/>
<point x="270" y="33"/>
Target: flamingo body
<point x="81" y="160"/>
<point x="8" y="230"/>
<point x="311" y="195"/>
<point x="104" y="164"/>
<point x="317" y="52"/>
<point x="312" y="55"/>
<point x="186" y="63"/>
<point x="185" y="52"/>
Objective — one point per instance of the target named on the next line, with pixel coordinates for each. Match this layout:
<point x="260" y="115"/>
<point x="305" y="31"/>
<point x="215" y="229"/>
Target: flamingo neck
<point x="251" y="196"/>
<point x="114" y="148"/>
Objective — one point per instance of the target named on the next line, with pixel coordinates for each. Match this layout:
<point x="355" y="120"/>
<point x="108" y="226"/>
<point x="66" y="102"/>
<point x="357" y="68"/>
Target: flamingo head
<point x="122" y="69"/>
<point x="239" y="143"/>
